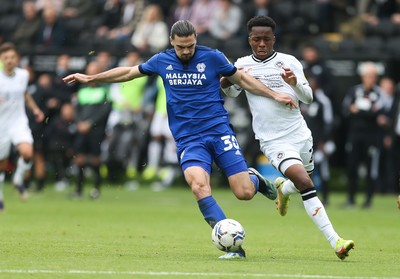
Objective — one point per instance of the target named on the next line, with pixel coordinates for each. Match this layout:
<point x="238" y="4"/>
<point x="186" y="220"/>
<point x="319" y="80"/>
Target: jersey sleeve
<point x="223" y="66"/>
<point x="150" y="67"/>
<point x="302" y="88"/>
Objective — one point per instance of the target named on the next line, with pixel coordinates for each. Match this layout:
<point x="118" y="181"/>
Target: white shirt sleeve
<point x="302" y="88"/>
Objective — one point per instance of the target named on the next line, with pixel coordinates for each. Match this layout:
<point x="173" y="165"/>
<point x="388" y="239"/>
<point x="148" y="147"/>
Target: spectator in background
<point x="51" y="32"/>
<point x="369" y="14"/>
<point x="226" y="21"/>
<point x="165" y="5"/>
<point x="58" y="5"/>
<point x="361" y="107"/>
<point x="257" y="8"/>
<point x="201" y="16"/>
<point x="389" y="165"/>
<point x="394" y="138"/>
<point x="314" y="66"/>
<point x="131" y="14"/>
<point x="104" y="59"/>
<point x="73" y="9"/>
<point x="151" y="34"/>
<point x="319" y="118"/>
<point x="127" y="124"/>
<point x="395" y="17"/>
<point x="161" y="155"/>
<point x="25" y="33"/>
<point x="181" y="9"/>
<point x="62" y="91"/>
<point x="110" y="16"/>
<point x="42" y="96"/>
<point x="91" y="114"/>
<point x="59" y="134"/>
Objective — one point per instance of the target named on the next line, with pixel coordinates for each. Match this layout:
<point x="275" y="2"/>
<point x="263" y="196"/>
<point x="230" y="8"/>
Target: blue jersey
<point x="194" y="102"/>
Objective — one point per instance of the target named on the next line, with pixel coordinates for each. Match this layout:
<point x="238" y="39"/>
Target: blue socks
<point x="211" y="211"/>
<point x="255" y="181"/>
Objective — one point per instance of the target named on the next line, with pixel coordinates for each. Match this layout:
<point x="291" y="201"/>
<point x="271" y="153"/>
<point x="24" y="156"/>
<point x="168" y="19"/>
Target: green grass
<point x="143" y="234"/>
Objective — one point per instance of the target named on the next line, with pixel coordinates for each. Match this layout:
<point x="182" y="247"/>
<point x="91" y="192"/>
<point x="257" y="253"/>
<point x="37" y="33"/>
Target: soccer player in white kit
<point x="13" y="120"/>
<point x="282" y="131"/>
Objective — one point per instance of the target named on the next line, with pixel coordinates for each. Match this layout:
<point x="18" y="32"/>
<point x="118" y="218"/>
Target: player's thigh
<point x="5" y="147"/>
<point x="199" y="181"/>
<point x="193" y="151"/>
<point x="22" y="138"/>
<point x="25" y="150"/>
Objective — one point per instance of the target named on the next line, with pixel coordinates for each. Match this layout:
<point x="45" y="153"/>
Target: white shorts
<point x="17" y="132"/>
<point x="159" y="126"/>
<point x="283" y="155"/>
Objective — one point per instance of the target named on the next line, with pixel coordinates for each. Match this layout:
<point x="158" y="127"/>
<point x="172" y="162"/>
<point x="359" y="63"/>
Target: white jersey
<point x="272" y="120"/>
<point x="12" y="98"/>
<point x="14" y="125"/>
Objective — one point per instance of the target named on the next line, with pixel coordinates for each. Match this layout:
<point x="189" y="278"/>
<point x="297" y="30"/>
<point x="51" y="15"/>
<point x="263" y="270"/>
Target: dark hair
<point x="261" y="21"/>
<point x="182" y="28"/>
<point x="7" y="46"/>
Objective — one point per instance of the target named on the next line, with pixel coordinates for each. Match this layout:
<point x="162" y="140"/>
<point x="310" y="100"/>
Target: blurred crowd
<point x="40" y="26"/>
<point x="118" y="132"/>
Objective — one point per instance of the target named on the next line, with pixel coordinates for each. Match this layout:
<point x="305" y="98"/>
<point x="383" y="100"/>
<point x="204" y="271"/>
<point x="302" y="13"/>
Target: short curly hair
<point x="261" y="21"/>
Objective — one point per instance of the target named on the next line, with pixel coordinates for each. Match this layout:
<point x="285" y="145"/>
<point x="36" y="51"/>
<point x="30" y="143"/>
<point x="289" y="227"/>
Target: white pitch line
<point x="167" y="273"/>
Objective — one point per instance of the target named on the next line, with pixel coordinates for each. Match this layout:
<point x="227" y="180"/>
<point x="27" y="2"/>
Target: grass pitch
<point x="143" y="234"/>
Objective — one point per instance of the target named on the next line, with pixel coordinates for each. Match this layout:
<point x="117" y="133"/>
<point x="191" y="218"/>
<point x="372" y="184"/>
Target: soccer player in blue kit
<point x="197" y="117"/>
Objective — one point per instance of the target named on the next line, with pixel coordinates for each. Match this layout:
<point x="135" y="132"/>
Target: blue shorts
<point x="217" y="144"/>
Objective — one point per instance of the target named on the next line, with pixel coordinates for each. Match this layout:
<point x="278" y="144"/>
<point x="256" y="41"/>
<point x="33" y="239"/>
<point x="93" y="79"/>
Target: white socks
<point x="317" y="213"/>
<point x="288" y="188"/>
<point x="22" y="167"/>
<point x="315" y="209"/>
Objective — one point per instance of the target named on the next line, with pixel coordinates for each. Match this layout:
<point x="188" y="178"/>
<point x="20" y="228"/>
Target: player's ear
<point x="171" y="41"/>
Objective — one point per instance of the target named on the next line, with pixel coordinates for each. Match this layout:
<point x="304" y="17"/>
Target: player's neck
<point x="9" y="72"/>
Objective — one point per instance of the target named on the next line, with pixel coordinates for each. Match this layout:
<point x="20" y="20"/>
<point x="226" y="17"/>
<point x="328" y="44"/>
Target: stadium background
<point x="322" y="23"/>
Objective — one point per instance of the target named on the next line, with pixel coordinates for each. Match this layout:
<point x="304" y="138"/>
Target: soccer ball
<point x="228" y="235"/>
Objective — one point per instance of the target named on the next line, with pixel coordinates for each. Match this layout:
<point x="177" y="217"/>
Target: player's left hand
<point x="288" y="76"/>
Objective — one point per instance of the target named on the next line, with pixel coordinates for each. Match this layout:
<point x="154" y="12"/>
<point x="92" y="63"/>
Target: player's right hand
<point x="286" y="100"/>
<point x="77" y="77"/>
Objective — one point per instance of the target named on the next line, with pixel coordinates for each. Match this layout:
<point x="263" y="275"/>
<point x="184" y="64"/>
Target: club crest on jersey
<point x="281" y="155"/>
<point x="201" y="67"/>
<point x="279" y="64"/>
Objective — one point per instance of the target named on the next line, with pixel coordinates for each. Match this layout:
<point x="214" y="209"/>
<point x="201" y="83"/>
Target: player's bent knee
<point x="200" y="190"/>
<point x="244" y="194"/>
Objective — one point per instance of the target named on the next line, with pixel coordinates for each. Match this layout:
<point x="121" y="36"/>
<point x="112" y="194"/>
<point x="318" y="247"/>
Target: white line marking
<point x="167" y="273"/>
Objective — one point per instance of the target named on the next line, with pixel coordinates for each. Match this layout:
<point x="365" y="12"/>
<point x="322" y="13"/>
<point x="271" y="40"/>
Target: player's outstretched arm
<point x="119" y="74"/>
<point x="256" y="87"/>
